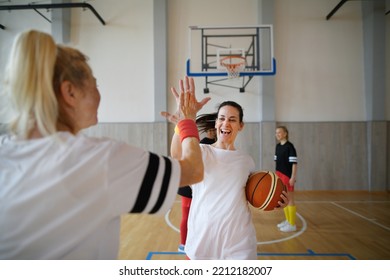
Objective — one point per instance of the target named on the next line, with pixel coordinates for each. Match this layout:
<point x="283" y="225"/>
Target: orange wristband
<point x="187" y="128"/>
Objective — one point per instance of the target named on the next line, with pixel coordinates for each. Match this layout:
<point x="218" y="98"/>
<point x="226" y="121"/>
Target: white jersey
<point x="220" y="222"/>
<point x="61" y="197"/>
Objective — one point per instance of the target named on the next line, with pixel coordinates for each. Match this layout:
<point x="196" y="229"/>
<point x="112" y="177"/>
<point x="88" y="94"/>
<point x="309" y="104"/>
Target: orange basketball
<point x="263" y="190"/>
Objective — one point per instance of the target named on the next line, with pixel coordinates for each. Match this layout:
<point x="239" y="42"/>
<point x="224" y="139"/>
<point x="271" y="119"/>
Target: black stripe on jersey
<point x="164" y="186"/>
<point x="147" y="184"/>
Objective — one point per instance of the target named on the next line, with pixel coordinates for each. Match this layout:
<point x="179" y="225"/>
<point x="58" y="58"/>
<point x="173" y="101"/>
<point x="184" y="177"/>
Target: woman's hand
<point x="284" y="202"/>
<point x="187" y="104"/>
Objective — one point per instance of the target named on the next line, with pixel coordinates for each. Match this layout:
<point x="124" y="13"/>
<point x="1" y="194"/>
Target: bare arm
<point x="191" y="162"/>
<point x="293" y="174"/>
<point x="176" y="147"/>
<point x="188" y="151"/>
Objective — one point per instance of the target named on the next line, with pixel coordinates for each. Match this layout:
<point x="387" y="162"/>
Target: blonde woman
<point x="63" y="193"/>
<point x="286" y="168"/>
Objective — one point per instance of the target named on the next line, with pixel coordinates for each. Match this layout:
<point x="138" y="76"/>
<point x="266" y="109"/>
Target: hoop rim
<point x="232" y="65"/>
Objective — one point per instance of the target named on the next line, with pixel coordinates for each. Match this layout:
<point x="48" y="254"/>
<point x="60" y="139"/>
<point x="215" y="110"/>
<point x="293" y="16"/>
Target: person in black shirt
<point x="286" y="168"/>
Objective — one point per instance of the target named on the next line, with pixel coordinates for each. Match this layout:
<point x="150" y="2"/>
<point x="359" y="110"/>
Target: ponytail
<point x="206" y="122"/>
<point x="36" y="70"/>
<point x="30" y="84"/>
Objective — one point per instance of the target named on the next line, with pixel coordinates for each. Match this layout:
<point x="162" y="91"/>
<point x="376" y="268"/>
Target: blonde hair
<point x="36" y="69"/>
<point x="29" y="82"/>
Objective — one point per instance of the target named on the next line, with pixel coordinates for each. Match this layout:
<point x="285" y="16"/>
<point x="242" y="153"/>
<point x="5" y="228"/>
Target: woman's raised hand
<point x="187" y="104"/>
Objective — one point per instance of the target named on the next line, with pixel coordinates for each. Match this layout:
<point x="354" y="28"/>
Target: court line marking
<point x="340" y="201"/>
<point x="361" y="216"/>
<point x="302" y="230"/>
<point x="168" y="221"/>
<point x="310" y="253"/>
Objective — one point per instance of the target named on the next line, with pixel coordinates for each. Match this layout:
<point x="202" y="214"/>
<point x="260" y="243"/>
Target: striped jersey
<point x="61" y="197"/>
<point x="285" y="156"/>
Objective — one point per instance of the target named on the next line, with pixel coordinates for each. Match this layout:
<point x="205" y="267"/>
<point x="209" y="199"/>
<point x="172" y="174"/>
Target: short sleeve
<point x="140" y="181"/>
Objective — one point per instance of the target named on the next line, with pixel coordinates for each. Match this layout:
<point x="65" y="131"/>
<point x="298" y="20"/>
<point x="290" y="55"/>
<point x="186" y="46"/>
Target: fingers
<point x="164" y="114"/>
<point x="284" y="201"/>
<point x="181" y="84"/>
<point x="204" y="101"/>
<point x="171" y="118"/>
<point x="191" y="85"/>
<point x="186" y="100"/>
<point x="187" y="88"/>
<point x="281" y="205"/>
<point x="175" y="94"/>
<point x="182" y="101"/>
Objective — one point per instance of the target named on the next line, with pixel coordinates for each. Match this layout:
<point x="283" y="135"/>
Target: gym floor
<point x="331" y="225"/>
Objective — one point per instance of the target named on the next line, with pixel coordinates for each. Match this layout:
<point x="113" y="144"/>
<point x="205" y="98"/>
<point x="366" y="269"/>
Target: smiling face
<point x="281" y="135"/>
<point x="228" y="126"/>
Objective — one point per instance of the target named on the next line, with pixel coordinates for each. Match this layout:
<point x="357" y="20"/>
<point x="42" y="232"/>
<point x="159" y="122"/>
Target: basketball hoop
<point x="234" y="65"/>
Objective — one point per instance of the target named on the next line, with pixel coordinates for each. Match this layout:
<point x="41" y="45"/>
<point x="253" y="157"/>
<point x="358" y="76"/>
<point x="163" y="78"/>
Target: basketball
<point x="263" y="190"/>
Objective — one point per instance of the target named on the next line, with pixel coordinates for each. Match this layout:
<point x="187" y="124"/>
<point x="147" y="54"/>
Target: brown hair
<point x="207" y="121"/>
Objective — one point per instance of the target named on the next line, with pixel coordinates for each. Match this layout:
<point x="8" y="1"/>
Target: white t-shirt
<point x="220" y="222"/>
<point x="61" y="197"/>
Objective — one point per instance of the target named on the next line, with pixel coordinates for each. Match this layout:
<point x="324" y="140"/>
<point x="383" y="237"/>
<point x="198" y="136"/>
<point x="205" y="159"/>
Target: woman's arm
<point x="187" y="151"/>
<point x="293" y="178"/>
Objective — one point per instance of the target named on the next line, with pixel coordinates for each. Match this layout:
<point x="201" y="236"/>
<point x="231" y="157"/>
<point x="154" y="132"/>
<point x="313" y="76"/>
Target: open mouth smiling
<point x="225" y="132"/>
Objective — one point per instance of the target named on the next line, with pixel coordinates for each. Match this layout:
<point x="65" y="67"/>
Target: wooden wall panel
<point x="331" y="155"/>
<point x="150" y="136"/>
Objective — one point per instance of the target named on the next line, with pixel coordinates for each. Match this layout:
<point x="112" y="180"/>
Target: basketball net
<point x="233" y="65"/>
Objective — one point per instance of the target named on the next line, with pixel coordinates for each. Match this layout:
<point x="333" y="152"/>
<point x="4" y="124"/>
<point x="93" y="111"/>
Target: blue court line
<point x="150" y="254"/>
<point x="310" y="253"/>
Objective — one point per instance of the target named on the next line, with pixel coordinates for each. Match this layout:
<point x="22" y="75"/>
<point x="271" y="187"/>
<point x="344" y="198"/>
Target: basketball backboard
<point x="209" y="45"/>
